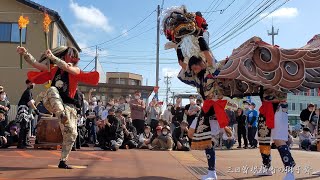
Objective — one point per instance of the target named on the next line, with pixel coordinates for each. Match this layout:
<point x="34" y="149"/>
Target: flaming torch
<point x="46" y="23"/>
<point x="22" y="22"/>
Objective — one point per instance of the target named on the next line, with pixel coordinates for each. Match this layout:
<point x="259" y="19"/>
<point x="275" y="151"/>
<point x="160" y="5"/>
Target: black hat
<point x="245" y="102"/>
<point x="306" y="129"/>
<point x="198" y="13"/>
<point x="112" y="110"/>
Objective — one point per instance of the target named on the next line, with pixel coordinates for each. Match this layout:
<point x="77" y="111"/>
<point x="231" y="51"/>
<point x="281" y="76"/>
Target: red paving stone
<point x="142" y="164"/>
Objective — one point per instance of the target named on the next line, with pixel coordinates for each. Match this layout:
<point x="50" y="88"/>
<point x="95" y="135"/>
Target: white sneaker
<point x="289" y="176"/>
<point x="212" y="175"/>
<point x="317" y="173"/>
<point x="264" y="173"/>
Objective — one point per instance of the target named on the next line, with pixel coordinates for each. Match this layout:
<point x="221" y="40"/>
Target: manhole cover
<point x="202" y="170"/>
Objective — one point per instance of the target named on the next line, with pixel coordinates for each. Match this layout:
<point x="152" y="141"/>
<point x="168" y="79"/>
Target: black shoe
<point x="28" y="145"/>
<point x="21" y="147"/>
<point x="239" y="147"/>
<point x="63" y="165"/>
<point x="106" y="148"/>
<point x="114" y="148"/>
<point x="246" y="147"/>
<point x="73" y="149"/>
<point x="85" y="145"/>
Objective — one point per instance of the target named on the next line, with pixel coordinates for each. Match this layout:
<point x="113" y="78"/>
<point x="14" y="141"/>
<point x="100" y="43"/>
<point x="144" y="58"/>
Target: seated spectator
<point x="228" y="138"/>
<point x="120" y="117"/>
<point x="2" y="119"/>
<point x="180" y="137"/>
<point x="4" y="107"/>
<point x="130" y="140"/>
<point x="112" y="134"/>
<point x="305" y="139"/>
<point x="164" y="140"/>
<point x="3" y="141"/>
<point x="11" y="135"/>
<point x="145" y="138"/>
<point x="91" y="123"/>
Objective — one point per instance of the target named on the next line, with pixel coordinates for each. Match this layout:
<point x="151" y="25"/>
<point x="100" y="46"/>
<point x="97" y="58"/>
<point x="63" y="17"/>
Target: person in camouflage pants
<point x="53" y="102"/>
<point x="60" y="99"/>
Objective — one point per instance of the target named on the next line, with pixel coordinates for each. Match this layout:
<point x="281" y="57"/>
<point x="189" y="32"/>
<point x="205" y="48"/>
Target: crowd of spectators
<point x="128" y="123"/>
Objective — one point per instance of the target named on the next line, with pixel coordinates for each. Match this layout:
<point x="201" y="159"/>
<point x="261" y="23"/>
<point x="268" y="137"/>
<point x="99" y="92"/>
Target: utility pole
<point x="158" y="46"/>
<point x="273" y="33"/>
<point x="173" y="98"/>
<point x="96" y="60"/>
<point x="167" y="82"/>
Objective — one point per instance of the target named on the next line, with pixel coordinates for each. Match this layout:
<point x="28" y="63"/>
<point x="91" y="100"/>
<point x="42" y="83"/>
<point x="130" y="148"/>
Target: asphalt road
<point x="146" y="164"/>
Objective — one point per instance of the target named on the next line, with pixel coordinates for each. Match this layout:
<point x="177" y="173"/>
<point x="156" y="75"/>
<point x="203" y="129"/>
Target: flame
<point x="23" y="22"/>
<point x="46" y="22"/>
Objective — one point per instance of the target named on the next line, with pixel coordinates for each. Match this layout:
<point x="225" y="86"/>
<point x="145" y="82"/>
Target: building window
<point x="289" y="107"/>
<point x="301" y="106"/>
<point x="9" y="32"/>
<point x="61" y="39"/>
<point x="122" y="81"/>
<point x="134" y="82"/>
<point x="293" y="106"/>
<point x="312" y="92"/>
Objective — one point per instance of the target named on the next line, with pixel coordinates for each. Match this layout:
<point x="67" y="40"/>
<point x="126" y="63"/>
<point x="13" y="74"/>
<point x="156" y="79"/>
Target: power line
<point x="212" y="8"/>
<point x="218" y="4"/>
<point x="244" y="22"/>
<point x="253" y="24"/>
<point x="122" y="34"/>
<point x="233" y="18"/>
<point x="88" y="63"/>
<point x="241" y="21"/>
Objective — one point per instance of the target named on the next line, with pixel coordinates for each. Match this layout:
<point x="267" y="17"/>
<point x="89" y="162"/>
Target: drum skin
<point x="49" y="131"/>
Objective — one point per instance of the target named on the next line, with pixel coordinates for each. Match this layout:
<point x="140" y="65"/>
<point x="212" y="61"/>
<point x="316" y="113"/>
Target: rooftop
<point x="53" y="13"/>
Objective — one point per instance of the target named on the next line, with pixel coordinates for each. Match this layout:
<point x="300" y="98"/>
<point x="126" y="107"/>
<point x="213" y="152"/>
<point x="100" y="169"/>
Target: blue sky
<point x="94" y="22"/>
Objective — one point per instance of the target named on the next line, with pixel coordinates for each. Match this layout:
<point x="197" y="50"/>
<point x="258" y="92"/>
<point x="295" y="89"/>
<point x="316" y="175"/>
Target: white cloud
<point x="90" y="17"/>
<point x="171" y="72"/>
<point x="282" y="13"/>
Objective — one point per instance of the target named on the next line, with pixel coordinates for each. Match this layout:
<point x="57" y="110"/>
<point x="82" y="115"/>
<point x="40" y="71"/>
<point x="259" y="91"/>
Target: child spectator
<point x="228" y="138"/>
<point x="164" y="140"/>
<point x="305" y="139"/>
<point x="145" y="138"/>
<point x="180" y="137"/>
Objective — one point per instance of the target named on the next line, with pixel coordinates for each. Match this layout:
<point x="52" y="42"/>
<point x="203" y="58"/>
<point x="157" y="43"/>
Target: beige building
<point x="124" y="78"/>
<point x="12" y="77"/>
<point x="119" y="84"/>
